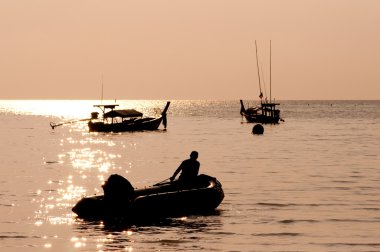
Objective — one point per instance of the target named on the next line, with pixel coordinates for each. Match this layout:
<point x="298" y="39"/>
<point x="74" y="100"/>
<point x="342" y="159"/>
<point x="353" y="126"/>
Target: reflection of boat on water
<point x="159" y="201"/>
<point x="266" y="111"/>
<point x="115" y="120"/>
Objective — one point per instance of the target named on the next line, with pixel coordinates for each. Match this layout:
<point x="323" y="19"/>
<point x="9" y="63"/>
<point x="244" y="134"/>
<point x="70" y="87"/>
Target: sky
<point x="190" y="49"/>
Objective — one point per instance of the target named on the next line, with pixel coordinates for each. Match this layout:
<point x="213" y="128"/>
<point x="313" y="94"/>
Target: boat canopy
<point x="107" y="106"/>
<point x="123" y="113"/>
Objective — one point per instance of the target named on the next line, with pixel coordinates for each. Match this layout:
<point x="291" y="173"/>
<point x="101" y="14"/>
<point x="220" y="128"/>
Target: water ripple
<point x="277" y="234"/>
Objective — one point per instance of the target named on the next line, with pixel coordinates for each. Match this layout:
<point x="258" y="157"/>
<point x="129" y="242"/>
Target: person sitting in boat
<point x="189" y="169"/>
<point x="118" y="194"/>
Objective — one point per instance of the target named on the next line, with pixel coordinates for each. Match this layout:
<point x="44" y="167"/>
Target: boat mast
<point x="101" y="101"/>
<point x="270" y="70"/>
<point x="258" y="72"/>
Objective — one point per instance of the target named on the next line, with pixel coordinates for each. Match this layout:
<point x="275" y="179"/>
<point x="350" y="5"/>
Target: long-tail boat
<point x="266" y="111"/>
<point x="119" y="120"/>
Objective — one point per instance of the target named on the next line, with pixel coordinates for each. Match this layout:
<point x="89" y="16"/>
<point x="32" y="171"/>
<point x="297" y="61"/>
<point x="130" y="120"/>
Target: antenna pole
<point x="102" y="91"/>
<point x="258" y="71"/>
<point x="270" y="70"/>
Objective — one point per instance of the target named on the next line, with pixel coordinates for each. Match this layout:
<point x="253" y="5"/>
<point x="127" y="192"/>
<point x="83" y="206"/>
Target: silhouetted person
<point x="189" y="169"/>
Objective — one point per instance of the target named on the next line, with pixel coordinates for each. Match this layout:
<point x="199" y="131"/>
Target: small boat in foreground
<point x="158" y="201"/>
<point x="115" y="120"/>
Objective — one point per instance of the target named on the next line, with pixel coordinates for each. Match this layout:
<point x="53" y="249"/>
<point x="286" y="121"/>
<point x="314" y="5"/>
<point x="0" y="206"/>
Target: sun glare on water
<point x="73" y="109"/>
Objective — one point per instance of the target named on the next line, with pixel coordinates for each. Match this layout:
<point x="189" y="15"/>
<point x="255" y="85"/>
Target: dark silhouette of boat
<point x="115" y="120"/>
<point x="266" y="112"/>
<point x="162" y="200"/>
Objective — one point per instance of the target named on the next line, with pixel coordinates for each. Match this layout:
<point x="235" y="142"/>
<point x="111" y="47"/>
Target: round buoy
<point x="258" y="129"/>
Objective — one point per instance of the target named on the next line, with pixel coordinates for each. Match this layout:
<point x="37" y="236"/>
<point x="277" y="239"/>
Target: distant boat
<point x="265" y="112"/>
<point x="120" y="120"/>
<point x="158" y="201"/>
<point x="115" y="120"/>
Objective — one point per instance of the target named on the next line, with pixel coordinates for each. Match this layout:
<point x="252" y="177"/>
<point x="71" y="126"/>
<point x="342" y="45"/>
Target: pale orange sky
<point x="195" y="49"/>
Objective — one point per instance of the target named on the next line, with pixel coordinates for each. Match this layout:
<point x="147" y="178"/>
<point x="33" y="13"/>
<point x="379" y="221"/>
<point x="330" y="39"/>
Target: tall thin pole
<point x="102" y="91"/>
<point x="270" y="70"/>
<point x="258" y="71"/>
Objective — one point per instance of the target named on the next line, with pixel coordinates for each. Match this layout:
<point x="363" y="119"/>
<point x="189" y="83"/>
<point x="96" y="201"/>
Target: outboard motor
<point x="117" y="187"/>
<point x="116" y="201"/>
<point x="94" y="115"/>
<point x="118" y="195"/>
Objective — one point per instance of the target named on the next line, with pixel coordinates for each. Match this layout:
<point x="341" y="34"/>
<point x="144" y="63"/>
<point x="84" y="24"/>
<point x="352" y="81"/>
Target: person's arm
<point x="176" y="172"/>
<point x="198" y="165"/>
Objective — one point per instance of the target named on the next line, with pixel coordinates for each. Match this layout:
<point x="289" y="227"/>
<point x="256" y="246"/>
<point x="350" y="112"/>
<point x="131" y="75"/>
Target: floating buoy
<point x="258" y="129"/>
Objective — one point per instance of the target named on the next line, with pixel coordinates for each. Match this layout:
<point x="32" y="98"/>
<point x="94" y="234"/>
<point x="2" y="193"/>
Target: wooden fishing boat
<point x="266" y="111"/>
<point x="162" y="200"/>
<point x="115" y="120"/>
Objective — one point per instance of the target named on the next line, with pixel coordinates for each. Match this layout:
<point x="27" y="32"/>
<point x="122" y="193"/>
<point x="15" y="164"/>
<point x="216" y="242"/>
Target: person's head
<point x="194" y="155"/>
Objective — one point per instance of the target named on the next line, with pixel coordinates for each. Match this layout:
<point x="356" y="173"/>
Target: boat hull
<point x="165" y="200"/>
<point x="258" y="118"/>
<point x="128" y="125"/>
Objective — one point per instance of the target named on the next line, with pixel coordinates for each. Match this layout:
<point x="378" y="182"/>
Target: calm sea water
<point x="311" y="183"/>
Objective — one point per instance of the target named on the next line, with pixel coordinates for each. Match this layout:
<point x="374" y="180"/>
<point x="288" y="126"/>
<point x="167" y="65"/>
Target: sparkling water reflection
<point x="309" y="184"/>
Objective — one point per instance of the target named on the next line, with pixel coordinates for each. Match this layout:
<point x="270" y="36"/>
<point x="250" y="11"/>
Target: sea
<point x="310" y="183"/>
